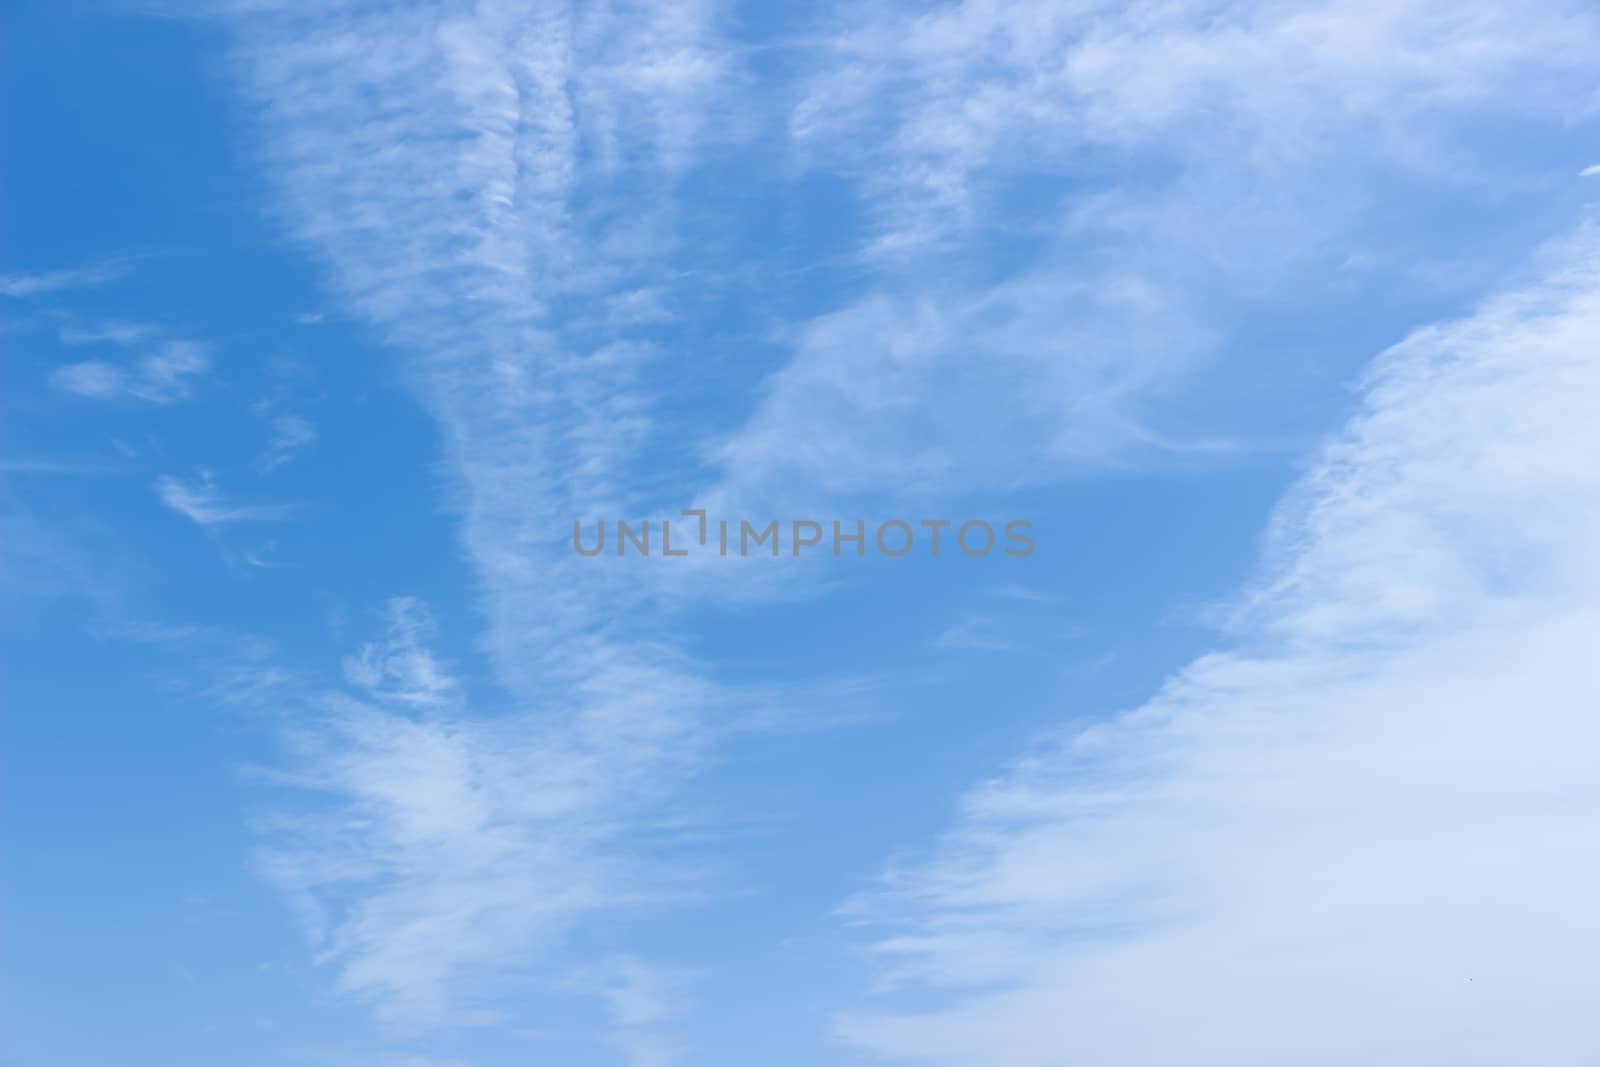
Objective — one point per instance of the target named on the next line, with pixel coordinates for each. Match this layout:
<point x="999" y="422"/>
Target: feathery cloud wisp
<point x="162" y="377"/>
<point x="45" y="283"/>
<point x="451" y="847"/>
<point x="1369" y="811"/>
<point x="935" y="106"/>
<point x="291" y="434"/>
<point x="463" y="172"/>
<point x="472" y="179"/>
<point x="203" y="505"/>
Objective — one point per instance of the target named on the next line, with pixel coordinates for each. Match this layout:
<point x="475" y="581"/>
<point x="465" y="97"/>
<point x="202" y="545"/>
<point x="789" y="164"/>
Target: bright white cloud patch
<point x="1361" y="836"/>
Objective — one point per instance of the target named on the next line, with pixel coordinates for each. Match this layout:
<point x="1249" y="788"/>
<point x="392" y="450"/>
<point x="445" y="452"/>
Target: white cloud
<point x="1249" y="124"/>
<point x="1356" y="831"/>
<point x="472" y="180"/>
<point x="92" y="378"/>
<point x="642" y="1000"/>
<point x="166" y="375"/>
<point x="941" y="391"/>
<point x="464" y="173"/>
<point x="456" y="850"/>
<point x="203" y="505"/>
<point x="1241" y="96"/>
<point x="640" y="995"/>
<point x="45" y="283"/>
<point x="117" y="333"/>
<point x="39" y="561"/>
<point x="1590" y="172"/>
<point x="162" y="377"/>
<point x="436" y="163"/>
<point x="148" y="633"/>
<point x="291" y="434"/>
<point x="401" y="667"/>
<point x="975" y="635"/>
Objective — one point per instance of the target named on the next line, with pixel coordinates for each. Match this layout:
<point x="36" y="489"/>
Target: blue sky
<point x="324" y="322"/>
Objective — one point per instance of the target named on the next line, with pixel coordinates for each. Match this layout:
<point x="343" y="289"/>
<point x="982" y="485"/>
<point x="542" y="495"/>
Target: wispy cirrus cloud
<point x="1261" y="137"/>
<point x="933" y="391"/>
<point x="473" y="178"/>
<point x="165" y="376"/>
<point x="452" y="848"/>
<point x="401" y="667"/>
<point x="202" y="504"/>
<point x="114" y="332"/>
<point x="40" y="563"/>
<point x="290" y="435"/>
<point x="493" y="188"/>
<point x="47" y="283"/>
<point x="1364" y="811"/>
<point x="643" y="1001"/>
<point x="145" y="632"/>
<point x="1245" y="100"/>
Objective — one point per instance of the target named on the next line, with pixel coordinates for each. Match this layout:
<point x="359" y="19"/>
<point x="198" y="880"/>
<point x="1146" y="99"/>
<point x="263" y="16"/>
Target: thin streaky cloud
<point x="168" y="374"/>
<point x="472" y="177"/>
<point x="91" y="378"/>
<point x="471" y="180"/>
<point x="1329" y="821"/>
<point x="164" y="376"/>
<point x="933" y="105"/>
<point x="976" y="635"/>
<point x="1132" y="299"/>
<point x="201" y="503"/>
<point x="48" y="283"/>
<point x="57" y="468"/>
<point x="449" y="846"/>
<point x="122" y="334"/>
<point x="146" y="633"/>
<point x="290" y="435"/>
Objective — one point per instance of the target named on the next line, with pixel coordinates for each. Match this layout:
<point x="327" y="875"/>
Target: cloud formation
<point x="46" y="283"/>
<point x="472" y="178"/>
<point x="451" y="849"/>
<point x="203" y="505"/>
<point x="1357" y="833"/>
<point x="1244" y="99"/>
<point x="497" y="190"/>
<point x="162" y="377"/>
<point x="1167" y="169"/>
<point x="290" y="435"/>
